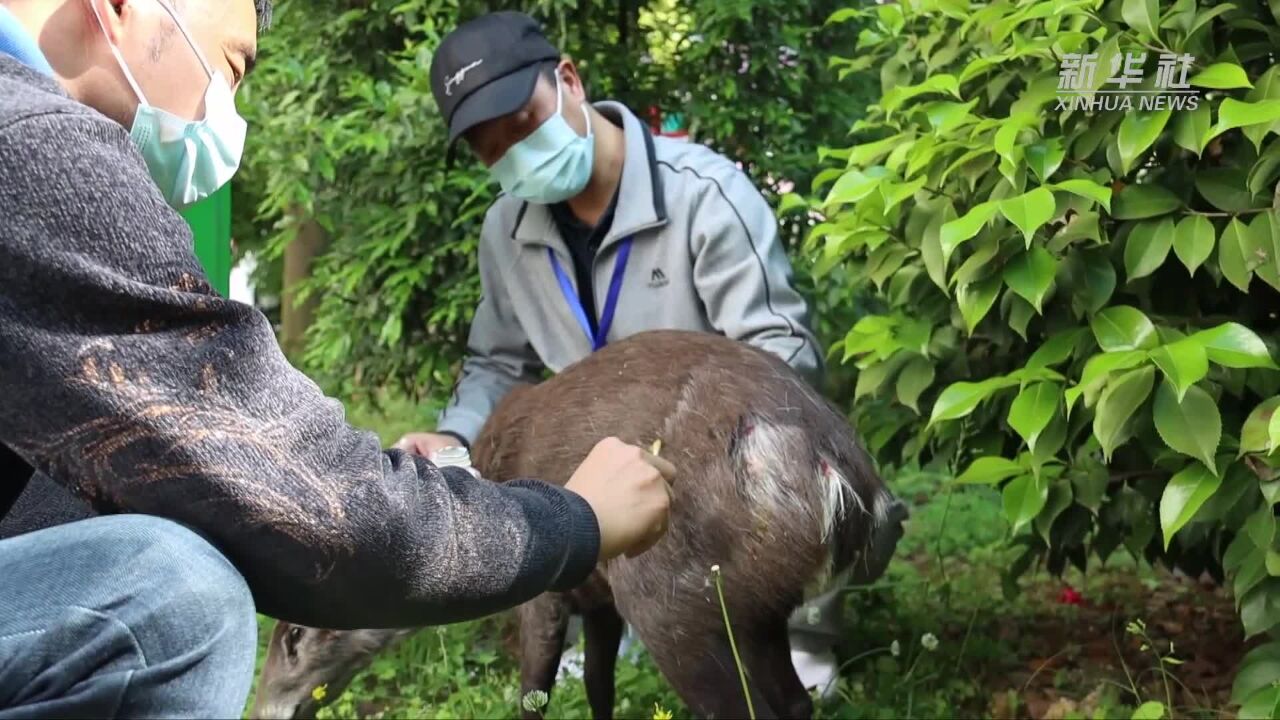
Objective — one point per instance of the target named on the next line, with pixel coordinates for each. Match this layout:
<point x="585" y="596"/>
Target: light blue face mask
<point x="188" y="159"/>
<point x="551" y="165"/>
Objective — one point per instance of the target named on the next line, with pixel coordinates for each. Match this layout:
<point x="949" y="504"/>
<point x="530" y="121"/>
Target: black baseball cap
<point x="487" y="67"/>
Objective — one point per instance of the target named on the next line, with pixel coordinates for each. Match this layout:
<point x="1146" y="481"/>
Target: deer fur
<point x="772" y="487"/>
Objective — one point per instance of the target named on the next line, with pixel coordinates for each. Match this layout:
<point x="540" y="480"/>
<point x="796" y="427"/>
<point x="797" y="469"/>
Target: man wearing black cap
<point x="604" y="231"/>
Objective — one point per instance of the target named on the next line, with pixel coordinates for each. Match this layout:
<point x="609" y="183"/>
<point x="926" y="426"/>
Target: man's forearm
<point x="129" y="380"/>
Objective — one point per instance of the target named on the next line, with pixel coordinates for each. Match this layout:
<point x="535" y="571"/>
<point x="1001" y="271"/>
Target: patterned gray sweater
<point x="128" y="380"/>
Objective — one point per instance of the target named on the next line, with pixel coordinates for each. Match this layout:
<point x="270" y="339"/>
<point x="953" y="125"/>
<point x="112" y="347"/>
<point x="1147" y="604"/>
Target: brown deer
<point x="771" y="486"/>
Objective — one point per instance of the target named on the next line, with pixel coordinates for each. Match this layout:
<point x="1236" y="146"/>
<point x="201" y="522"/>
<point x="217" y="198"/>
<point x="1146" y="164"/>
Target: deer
<point x="772" y="488"/>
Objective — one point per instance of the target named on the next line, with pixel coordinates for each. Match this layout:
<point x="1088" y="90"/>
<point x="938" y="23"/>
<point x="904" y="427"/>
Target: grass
<point x="936" y="637"/>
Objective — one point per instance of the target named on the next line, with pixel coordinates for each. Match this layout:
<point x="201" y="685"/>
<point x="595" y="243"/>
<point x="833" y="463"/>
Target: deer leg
<point x="543" y="623"/>
<point x="603" y="630"/>
<point x="702" y="671"/>
<point x="769" y="660"/>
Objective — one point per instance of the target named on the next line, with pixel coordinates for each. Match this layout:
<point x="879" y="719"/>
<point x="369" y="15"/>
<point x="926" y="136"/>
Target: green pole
<point x="210" y="221"/>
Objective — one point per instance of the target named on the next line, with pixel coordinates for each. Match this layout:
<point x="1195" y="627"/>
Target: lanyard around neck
<point x="600" y="336"/>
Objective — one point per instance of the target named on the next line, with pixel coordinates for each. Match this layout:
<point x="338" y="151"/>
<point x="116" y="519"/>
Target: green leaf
<point x="1091" y="485"/>
<point x="1033" y="409"/>
<point x="1096" y="282"/>
<point x="1147" y="247"/>
<point x="1262" y="240"/>
<point x="1150" y="710"/>
<point x="1257" y="671"/>
<point x="931" y="248"/>
<point x="989" y="471"/>
<point x="1235" y="346"/>
<point x="1225" y="188"/>
<point x="1193" y="241"/>
<point x="1261" y="527"/>
<point x="1203" y="18"/>
<point x="1029" y="211"/>
<point x="1118" y="404"/>
<point x="1184" y="363"/>
<point x="1045" y="157"/>
<point x="1193" y="427"/>
<point x="1231" y="255"/>
<point x="946" y="116"/>
<point x="1059" y="500"/>
<point x="855" y="185"/>
<point x="1138" y="131"/>
<point x="1221" y="76"/>
<point x="960" y="399"/>
<point x="960" y="230"/>
<point x="976" y="299"/>
<point x="1191" y="128"/>
<point x="1100" y="194"/>
<point x="1183" y="497"/>
<point x="1255" y="435"/>
<point x="1234" y="113"/>
<point x="1031" y="275"/>
<point x="894" y="98"/>
<point x="1099" y="368"/>
<point x="1006" y="145"/>
<point x="1260" y="608"/>
<point x="1024" y="498"/>
<point x="1142" y="15"/>
<point x="1020" y="313"/>
<point x="1121" y="327"/>
<point x="872" y="378"/>
<point x="1050" y="440"/>
<point x="1136" y="202"/>
<point x="1056" y="349"/>
<point x="915" y="378"/>
<point x="1264" y="170"/>
<point x="1262" y="704"/>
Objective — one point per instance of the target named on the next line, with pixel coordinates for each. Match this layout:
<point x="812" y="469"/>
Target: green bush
<point x="345" y="131"/>
<point x="1075" y="303"/>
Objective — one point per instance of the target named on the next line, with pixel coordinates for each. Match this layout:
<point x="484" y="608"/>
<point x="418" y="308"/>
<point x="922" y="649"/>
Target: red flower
<point x="1069" y="596"/>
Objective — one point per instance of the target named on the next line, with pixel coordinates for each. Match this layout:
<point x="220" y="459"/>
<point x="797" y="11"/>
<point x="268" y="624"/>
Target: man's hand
<point x="627" y="488"/>
<point x="426" y="443"/>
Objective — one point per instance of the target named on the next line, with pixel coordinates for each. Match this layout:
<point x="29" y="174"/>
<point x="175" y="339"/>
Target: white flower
<point x="715" y="568"/>
<point x="534" y="701"/>
<point x="929" y="641"/>
<point x="895" y="648"/>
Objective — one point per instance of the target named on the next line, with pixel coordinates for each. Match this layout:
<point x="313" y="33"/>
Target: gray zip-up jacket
<point x="705" y="256"/>
<point x="126" y="379"/>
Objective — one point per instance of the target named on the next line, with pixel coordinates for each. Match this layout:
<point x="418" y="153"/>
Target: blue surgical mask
<point x="188" y="159"/>
<point x="553" y="164"/>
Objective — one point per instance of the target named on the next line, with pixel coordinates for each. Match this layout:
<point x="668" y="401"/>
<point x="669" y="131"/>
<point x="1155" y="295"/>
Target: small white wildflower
<point x="813" y="615"/>
<point x="715" y="569"/>
<point x="895" y="648"/>
<point x="534" y="701"/>
<point x="929" y="641"/>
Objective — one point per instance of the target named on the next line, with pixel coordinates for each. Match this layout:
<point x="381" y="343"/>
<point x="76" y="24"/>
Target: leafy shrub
<point x="346" y="132"/>
<point x="1077" y="304"/>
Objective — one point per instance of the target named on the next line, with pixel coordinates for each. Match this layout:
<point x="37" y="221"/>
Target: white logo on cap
<point x="456" y="79"/>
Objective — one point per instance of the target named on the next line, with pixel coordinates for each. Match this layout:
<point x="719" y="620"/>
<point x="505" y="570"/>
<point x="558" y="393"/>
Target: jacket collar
<point x="641" y="203"/>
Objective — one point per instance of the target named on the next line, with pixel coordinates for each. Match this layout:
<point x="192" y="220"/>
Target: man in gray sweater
<point x="227" y="482"/>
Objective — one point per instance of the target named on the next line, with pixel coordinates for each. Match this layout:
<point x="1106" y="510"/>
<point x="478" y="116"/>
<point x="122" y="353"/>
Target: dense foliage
<point x="345" y="132"/>
<point x="1076" y="302"/>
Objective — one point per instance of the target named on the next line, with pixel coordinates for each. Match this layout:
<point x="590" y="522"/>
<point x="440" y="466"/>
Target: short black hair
<point x="264" y="13"/>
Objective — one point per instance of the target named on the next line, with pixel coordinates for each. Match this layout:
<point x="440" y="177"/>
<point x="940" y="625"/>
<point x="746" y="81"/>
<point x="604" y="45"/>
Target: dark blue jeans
<point x="122" y="616"/>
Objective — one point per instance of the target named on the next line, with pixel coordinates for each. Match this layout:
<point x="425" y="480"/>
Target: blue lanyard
<point x="16" y="41"/>
<point x="599" y="338"/>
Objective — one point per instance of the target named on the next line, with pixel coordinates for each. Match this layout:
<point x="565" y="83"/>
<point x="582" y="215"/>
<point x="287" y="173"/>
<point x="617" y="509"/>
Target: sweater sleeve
<point x="127" y="379"/>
